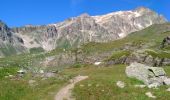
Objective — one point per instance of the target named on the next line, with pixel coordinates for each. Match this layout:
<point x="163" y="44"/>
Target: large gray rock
<point x="149" y="75"/>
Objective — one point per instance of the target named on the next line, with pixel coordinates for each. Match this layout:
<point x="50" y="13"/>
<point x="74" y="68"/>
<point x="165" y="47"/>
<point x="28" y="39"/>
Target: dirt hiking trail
<point x="65" y="92"/>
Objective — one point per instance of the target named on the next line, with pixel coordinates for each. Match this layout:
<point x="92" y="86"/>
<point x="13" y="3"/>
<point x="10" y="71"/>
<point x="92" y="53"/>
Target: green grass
<point x="19" y="89"/>
<point x="8" y="71"/>
<point x="159" y="54"/>
<point x="36" y="50"/>
<point x="119" y="54"/>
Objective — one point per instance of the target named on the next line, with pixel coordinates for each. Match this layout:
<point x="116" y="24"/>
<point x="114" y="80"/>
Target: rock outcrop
<point x="151" y="76"/>
<point x="166" y="41"/>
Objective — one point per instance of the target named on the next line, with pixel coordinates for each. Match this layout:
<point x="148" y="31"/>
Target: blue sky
<point x="39" y="12"/>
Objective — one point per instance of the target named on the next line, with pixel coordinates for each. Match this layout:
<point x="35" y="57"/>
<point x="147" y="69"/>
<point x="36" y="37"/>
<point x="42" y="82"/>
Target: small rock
<point x="21" y="71"/>
<point x="10" y="75"/>
<point x="140" y="86"/>
<point x="150" y="95"/>
<point x="49" y="75"/>
<point x="41" y="71"/>
<point x="31" y="82"/>
<point x="167" y="81"/>
<point x="97" y="63"/>
<point x="168" y="90"/>
<point x="154" y="85"/>
<point x="81" y="85"/>
<point x="120" y="84"/>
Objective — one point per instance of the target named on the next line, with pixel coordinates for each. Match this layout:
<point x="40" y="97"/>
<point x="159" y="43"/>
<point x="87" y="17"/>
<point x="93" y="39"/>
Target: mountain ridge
<point x="85" y="28"/>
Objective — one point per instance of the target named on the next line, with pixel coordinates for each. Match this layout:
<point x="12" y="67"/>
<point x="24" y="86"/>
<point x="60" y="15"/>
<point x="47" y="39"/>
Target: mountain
<point x="76" y="31"/>
<point x="71" y="32"/>
<point x="10" y="43"/>
<point x="85" y="28"/>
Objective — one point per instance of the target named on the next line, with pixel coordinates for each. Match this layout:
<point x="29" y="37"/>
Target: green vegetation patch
<point x="8" y="71"/>
<point x="8" y="50"/>
<point x="36" y="50"/>
<point x="159" y="54"/>
<point x="42" y="89"/>
<point x="119" y="54"/>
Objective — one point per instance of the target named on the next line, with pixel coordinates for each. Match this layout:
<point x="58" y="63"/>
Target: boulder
<point x="151" y="76"/>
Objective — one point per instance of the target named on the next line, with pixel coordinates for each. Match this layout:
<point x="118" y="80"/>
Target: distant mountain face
<point x="82" y="29"/>
<point x="71" y="32"/>
<point x="125" y="22"/>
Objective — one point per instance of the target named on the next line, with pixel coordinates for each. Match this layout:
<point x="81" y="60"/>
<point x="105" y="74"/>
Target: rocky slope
<point x="85" y="28"/>
<point x="137" y="47"/>
<point x="10" y="43"/>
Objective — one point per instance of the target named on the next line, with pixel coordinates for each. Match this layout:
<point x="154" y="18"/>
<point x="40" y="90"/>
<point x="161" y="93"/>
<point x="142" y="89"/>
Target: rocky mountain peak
<point x="125" y="22"/>
<point x="143" y="9"/>
<point x="84" y="15"/>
